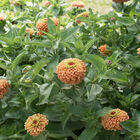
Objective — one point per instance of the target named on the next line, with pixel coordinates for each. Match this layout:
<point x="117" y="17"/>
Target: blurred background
<point x="102" y="6"/>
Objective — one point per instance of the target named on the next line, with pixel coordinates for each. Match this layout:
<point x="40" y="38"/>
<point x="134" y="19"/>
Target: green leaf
<point x="38" y="67"/>
<point x="45" y="91"/>
<point x="16" y="60"/>
<point x="128" y="21"/>
<point x="94" y="91"/>
<point x="103" y="111"/>
<point x="115" y="75"/>
<point x="6" y="40"/>
<point x="130" y="126"/>
<point x="65" y="119"/>
<point x="29" y="98"/>
<point x="51" y="26"/>
<point x="97" y="61"/>
<point x="3" y="67"/>
<point x="88" y="134"/>
<point x="68" y="33"/>
<point x="89" y="44"/>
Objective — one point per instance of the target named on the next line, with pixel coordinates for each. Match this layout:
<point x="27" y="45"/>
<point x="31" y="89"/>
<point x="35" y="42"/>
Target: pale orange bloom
<point x="14" y="2"/>
<point x="2" y="17"/>
<point x="78" y="4"/>
<point x="3" y="87"/>
<point x="112" y="119"/>
<point x="103" y="50"/>
<point x="71" y="71"/>
<point x="36" y="124"/>
<point x="30" y="31"/>
<point x="120" y="1"/>
<point x="46" y="4"/>
<point x="42" y="25"/>
<point x="84" y="14"/>
<point x="138" y="51"/>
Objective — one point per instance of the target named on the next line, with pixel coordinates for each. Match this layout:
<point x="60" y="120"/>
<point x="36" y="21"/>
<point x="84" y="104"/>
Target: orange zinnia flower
<point x="36" y="124"/>
<point x="111" y="120"/>
<point x="71" y="71"/>
<point x="103" y="50"/>
<point x="42" y="25"/>
<point x="78" y="4"/>
<point x="84" y="14"/>
<point x="120" y="1"/>
<point x="2" y="17"/>
<point x="30" y="31"/>
<point x="3" y="87"/>
<point x="46" y="4"/>
<point x="138" y="51"/>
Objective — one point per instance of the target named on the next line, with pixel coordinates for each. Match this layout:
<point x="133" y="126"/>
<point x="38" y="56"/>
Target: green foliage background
<point x="29" y="64"/>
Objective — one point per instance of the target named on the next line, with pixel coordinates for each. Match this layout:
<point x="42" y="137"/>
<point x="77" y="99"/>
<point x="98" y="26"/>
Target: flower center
<point x="112" y="113"/>
<point x="35" y="122"/>
<point x="70" y="63"/>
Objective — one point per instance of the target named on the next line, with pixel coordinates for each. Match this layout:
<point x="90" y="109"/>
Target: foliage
<point x="29" y="65"/>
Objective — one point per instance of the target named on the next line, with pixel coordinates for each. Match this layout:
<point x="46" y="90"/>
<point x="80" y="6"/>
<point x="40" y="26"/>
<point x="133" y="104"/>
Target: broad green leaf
<point x="94" y="91"/>
<point x="2" y="66"/>
<point x="16" y="60"/>
<point x="115" y="75"/>
<point x="45" y="91"/>
<point x="38" y="67"/>
<point x="103" y="111"/>
<point x="29" y="98"/>
<point x="55" y="131"/>
<point x="128" y="21"/>
<point x="89" y="44"/>
<point x="51" y="26"/>
<point x="88" y="134"/>
<point x="133" y="60"/>
<point x="68" y="33"/>
<point x="6" y="40"/>
<point x="98" y="62"/>
<point x="65" y="119"/>
<point x="130" y="126"/>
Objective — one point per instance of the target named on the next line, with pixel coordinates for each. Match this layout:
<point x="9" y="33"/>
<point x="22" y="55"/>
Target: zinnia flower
<point x="78" y="4"/>
<point x="84" y="14"/>
<point x="46" y="4"/>
<point x="14" y="2"/>
<point x="138" y="51"/>
<point x="103" y="50"/>
<point x="30" y="31"/>
<point x="42" y="25"/>
<point x="71" y="71"/>
<point x="36" y="124"/>
<point x="112" y="119"/>
<point x="3" y="87"/>
<point x="2" y="17"/>
<point x="120" y="1"/>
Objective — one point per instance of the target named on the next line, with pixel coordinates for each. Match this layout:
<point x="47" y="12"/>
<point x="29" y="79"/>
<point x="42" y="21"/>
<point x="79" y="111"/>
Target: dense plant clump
<point x="67" y="73"/>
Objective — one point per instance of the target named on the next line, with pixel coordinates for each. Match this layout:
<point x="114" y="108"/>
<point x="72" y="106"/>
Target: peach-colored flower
<point x="42" y="25"/>
<point x="55" y="20"/>
<point x="2" y="17"/>
<point x="138" y="51"/>
<point x="14" y="2"/>
<point x="78" y="4"/>
<point x="36" y="124"/>
<point x="3" y="87"/>
<point x="30" y="31"/>
<point x="46" y="4"/>
<point x="71" y="71"/>
<point x="120" y="1"/>
<point x="112" y="119"/>
<point x="61" y="28"/>
<point x="103" y="50"/>
<point x="84" y="14"/>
